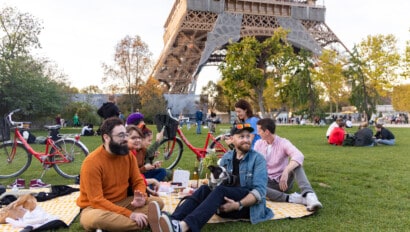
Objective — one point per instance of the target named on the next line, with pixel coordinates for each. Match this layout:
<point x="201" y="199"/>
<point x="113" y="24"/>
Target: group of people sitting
<point x="337" y="135"/>
<point x="115" y="197"/>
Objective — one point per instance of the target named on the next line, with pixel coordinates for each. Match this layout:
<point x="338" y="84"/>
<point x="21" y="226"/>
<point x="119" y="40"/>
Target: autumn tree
<point x="250" y="63"/>
<point x="373" y="68"/>
<point x="91" y="89"/>
<point x="152" y="99"/>
<point x="380" y="57"/>
<point x="132" y="62"/>
<point x="329" y="75"/>
<point x="400" y="98"/>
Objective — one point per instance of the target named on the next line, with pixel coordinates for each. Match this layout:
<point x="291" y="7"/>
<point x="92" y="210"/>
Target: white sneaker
<point x="313" y="203"/>
<point x="297" y="199"/>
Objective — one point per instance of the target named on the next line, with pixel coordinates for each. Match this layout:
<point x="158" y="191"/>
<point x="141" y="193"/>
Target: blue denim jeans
<point x="204" y="203"/>
<point x="386" y="141"/>
<point x="198" y="127"/>
<point x="158" y="173"/>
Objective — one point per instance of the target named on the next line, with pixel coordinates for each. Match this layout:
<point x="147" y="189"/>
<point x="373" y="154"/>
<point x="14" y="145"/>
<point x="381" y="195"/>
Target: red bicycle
<point x="65" y="154"/>
<point x="171" y="148"/>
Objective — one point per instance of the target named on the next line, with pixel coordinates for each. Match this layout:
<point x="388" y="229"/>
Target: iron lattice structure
<point x="197" y="32"/>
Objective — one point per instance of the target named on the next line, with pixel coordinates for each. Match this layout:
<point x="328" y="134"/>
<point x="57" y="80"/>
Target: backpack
<point x="349" y="140"/>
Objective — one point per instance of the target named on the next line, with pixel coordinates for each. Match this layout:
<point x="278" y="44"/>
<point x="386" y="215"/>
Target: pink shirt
<point x="277" y="155"/>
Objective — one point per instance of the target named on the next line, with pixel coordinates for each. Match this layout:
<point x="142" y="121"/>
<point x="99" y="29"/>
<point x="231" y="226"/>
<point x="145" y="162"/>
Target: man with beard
<point x="106" y="175"/>
<point x="245" y="200"/>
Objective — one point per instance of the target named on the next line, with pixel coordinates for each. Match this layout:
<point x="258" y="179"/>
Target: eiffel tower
<point x="197" y="32"/>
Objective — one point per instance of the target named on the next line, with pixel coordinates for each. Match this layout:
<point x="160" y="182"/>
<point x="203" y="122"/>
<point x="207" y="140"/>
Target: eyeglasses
<point x="122" y="135"/>
<point x="242" y="125"/>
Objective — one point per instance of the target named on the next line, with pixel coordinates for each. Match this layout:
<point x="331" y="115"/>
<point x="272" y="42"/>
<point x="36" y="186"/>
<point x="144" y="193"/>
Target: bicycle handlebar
<point x="9" y="117"/>
<point x="170" y="114"/>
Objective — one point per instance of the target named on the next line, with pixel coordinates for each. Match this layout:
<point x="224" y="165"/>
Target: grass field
<point x="361" y="188"/>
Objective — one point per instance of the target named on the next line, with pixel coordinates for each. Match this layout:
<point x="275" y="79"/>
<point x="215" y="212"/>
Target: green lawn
<point x="361" y="188"/>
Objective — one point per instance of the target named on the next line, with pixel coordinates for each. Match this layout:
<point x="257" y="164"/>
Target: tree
<point x="132" y="62"/>
<point x="19" y="33"/>
<point x="380" y="57"/>
<point x="373" y="68"/>
<point x="250" y="63"/>
<point x="301" y="89"/>
<point x="21" y="74"/>
<point x="152" y="99"/>
<point x="329" y="74"/>
<point x="211" y="91"/>
<point x="91" y="89"/>
<point x="400" y="99"/>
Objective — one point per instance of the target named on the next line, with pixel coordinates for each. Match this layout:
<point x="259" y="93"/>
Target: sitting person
<point x="332" y="126"/>
<point x="338" y="134"/>
<point x="284" y="163"/>
<point x="147" y="153"/>
<point x="364" y="136"/>
<point x="106" y="175"/>
<point x="244" y="200"/>
<point x="87" y="130"/>
<point x="135" y="142"/>
<point x="136" y="119"/>
<point x="384" y="136"/>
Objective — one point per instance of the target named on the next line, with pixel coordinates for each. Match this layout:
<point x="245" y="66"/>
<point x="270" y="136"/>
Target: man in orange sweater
<point x="106" y="174"/>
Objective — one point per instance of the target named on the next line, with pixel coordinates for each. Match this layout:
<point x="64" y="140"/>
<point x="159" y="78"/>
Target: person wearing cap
<point x="244" y="200"/>
<point x="136" y="119"/>
<point x="285" y="166"/>
<point x="384" y="136"/>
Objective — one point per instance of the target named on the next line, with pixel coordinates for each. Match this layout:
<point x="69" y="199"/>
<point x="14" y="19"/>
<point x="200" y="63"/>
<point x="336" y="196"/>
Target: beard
<point x="244" y="147"/>
<point x="119" y="148"/>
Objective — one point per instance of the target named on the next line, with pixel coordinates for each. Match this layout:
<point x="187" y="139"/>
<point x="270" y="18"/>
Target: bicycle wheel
<point x="20" y="162"/>
<point x="169" y="152"/>
<point x="72" y="150"/>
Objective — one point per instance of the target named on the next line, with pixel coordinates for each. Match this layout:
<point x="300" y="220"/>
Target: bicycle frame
<point x="199" y="152"/>
<point x="40" y="156"/>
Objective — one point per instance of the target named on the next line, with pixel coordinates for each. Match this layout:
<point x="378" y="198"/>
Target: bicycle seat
<point x="52" y="127"/>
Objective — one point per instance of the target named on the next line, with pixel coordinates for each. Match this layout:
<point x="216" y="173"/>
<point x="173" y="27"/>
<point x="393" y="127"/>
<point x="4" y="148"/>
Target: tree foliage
<point x="329" y="74"/>
<point x="250" y="63"/>
<point x="400" y="98"/>
<point x="152" y="99"/>
<point x="27" y="83"/>
<point x="132" y="62"/>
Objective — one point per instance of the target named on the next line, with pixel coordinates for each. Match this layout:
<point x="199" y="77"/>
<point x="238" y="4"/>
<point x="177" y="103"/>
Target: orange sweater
<point x="105" y="179"/>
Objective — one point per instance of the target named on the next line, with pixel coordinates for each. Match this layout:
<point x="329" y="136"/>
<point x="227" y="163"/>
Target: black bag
<point x="30" y="137"/>
<point x="349" y="140"/>
<point x="4" y="130"/>
<point x="170" y="124"/>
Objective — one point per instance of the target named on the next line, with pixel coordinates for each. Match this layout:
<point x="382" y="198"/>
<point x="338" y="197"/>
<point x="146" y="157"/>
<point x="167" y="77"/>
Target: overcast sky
<point x="79" y="35"/>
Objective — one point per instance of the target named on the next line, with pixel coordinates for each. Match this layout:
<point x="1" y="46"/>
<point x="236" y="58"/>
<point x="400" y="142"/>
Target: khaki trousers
<point x="92" y="219"/>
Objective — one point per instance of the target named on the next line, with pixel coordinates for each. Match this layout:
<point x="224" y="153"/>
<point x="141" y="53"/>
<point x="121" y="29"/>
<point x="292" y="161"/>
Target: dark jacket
<point x="363" y="137"/>
<point x="384" y="134"/>
<point x="107" y="110"/>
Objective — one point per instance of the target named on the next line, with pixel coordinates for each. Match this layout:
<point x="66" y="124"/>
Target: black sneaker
<point x="168" y="225"/>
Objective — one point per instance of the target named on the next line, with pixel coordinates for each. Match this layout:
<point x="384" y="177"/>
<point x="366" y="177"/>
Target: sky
<point x="80" y="35"/>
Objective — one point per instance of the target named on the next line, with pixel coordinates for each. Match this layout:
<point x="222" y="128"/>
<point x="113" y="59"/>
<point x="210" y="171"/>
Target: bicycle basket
<point x="171" y="125"/>
<point x="4" y="130"/>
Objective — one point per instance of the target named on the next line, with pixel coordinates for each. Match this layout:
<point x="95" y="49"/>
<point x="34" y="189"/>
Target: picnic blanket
<point x="63" y="207"/>
<point x="281" y="210"/>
